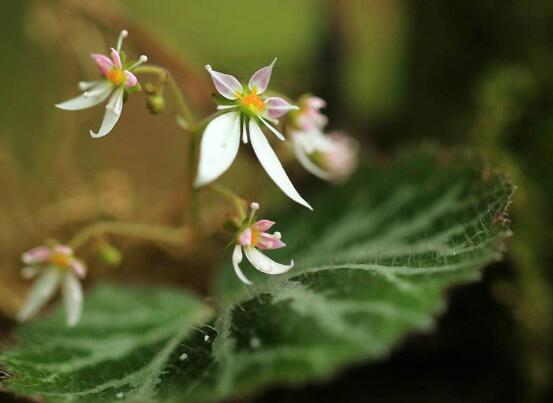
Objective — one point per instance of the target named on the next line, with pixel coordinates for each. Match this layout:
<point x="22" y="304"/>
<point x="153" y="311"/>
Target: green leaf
<point x="372" y="264"/>
<point x="119" y="350"/>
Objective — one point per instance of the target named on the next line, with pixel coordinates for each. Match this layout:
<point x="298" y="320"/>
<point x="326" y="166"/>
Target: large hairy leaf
<point x="120" y="349"/>
<point x="372" y="264"/>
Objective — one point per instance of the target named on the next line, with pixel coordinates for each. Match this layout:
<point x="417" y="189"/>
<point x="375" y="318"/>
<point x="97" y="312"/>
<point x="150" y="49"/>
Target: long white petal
<point x="87" y="85"/>
<point x="72" y="298"/>
<point x="43" y="289"/>
<point x="264" y="264"/>
<point x="304" y="159"/>
<point x="271" y="128"/>
<point x="95" y="96"/>
<point x="236" y="260"/>
<point x="29" y="272"/>
<point x="219" y="147"/>
<point x="113" y="112"/>
<point x="272" y="165"/>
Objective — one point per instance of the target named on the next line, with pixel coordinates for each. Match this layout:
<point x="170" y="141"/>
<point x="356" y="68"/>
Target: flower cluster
<point x="246" y="113"/>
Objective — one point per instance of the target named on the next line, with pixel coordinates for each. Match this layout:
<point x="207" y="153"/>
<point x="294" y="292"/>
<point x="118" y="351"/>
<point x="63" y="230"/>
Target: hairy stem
<point x="156" y="233"/>
<point x="167" y="78"/>
<point x="228" y="194"/>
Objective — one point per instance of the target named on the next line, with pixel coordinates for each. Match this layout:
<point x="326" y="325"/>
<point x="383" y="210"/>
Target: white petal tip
<point x="274" y="61"/>
<point x="198" y="183"/>
<point x="21" y="318"/>
<point x="305" y="204"/>
<point x="96" y="135"/>
<point x="208" y="68"/>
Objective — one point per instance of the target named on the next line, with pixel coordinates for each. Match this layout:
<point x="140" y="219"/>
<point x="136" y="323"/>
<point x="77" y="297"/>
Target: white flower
<point x="56" y="267"/>
<point x="251" y="237"/>
<point x="117" y="79"/>
<point x="247" y="113"/>
<point x="330" y="156"/>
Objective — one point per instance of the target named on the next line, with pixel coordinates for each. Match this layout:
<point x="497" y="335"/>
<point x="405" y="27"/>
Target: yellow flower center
<point x="116" y="76"/>
<point x="255" y="236"/>
<point x="253" y="103"/>
<point x="60" y="260"/>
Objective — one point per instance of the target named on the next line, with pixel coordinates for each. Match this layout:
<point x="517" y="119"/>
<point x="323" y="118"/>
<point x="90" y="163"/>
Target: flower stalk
<point x="155" y="233"/>
<point x="167" y="78"/>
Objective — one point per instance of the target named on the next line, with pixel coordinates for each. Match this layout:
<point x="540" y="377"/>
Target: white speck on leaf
<point x="255" y="342"/>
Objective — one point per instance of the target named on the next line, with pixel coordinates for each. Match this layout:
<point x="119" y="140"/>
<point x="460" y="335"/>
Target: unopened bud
<point x="156" y="103"/>
<point x="110" y="254"/>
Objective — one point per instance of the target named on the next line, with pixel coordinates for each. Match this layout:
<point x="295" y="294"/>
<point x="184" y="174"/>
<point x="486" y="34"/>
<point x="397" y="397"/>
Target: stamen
<point x="253" y="208"/>
<point x="141" y="59"/>
<point x="244" y="134"/>
<point x="277" y="235"/>
<point x="122" y="35"/>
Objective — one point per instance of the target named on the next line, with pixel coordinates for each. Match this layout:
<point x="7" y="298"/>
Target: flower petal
<point x="43" y="289"/>
<point x="78" y="267"/>
<point x="36" y="255"/>
<point x="315" y="102"/>
<point x="87" y="85"/>
<point x="72" y="298"/>
<point x="116" y="58"/>
<point x="278" y="107"/>
<point x="269" y="241"/>
<point x="246" y="237"/>
<point x="264" y="264"/>
<point x="263" y="225"/>
<point x="272" y="165"/>
<point x="104" y="63"/>
<point x="95" y="96"/>
<point x="113" y="112"/>
<point x="301" y="155"/>
<point x="271" y="128"/>
<point x="260" y="79"/>
<point x="28" y="272"/>
<point x="227" y="85"/>
<point x="131" y="79"/>
<point x="236" y="260"/>
<point x="63" y="249"/>
<point x="219" y="147"/>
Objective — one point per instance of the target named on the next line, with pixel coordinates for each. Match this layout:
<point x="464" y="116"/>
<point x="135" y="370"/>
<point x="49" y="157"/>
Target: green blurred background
<point x="471" y="74"/>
